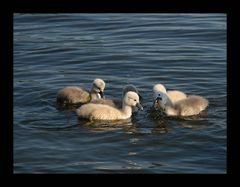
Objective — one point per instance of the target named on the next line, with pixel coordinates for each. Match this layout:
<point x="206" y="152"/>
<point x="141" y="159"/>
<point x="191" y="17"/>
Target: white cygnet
<point x="191" y="105"/>
<point x="105" y="112"/>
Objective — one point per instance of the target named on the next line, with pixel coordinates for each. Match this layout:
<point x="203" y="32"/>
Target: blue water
<point x="186" y="52"/>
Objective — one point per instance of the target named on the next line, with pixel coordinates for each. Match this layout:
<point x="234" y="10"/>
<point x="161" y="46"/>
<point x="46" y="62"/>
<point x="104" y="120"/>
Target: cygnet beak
<point x="101" y="94"/>
<point x="139" y="106"/>
<point x="157" y="102"/>
<point x="158" y="99"/>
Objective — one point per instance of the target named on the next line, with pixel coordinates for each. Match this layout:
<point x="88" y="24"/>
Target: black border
<point x="6" y="125"/>
<point x="59" y="6"/>
<point x="108" y="6"/>
<point x="233" y="92"/>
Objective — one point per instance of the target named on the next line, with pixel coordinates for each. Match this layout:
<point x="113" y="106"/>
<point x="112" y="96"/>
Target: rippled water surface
<point x="183" y="51"/>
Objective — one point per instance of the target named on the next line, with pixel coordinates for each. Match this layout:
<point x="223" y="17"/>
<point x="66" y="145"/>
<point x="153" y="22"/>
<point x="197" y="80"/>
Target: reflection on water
<point x="99" y="125"/>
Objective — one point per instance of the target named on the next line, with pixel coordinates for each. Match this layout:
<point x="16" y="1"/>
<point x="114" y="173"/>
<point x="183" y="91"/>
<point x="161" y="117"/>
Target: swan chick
<point x="192" y="105"/>
<point x="105" y="112"/>
<point x="78" y="95"/>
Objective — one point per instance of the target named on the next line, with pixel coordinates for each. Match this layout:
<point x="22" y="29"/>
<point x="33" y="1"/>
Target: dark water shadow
<point x="163" y="123"/>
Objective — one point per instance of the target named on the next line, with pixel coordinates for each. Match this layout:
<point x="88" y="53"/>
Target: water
<point x="186" y="52"/>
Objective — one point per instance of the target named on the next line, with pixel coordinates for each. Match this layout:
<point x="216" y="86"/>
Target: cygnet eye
<point x="159" y="95"/>
<point x="135" y="100"/>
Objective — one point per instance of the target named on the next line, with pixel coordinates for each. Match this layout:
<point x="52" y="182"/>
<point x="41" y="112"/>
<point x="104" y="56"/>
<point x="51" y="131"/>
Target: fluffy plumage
<point x="186" y="106"/>
<point x="78" y="95"/>
<point x="94" y="111"/>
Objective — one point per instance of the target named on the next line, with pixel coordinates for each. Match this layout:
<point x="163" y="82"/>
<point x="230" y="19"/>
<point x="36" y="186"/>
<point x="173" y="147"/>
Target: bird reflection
<point x="104" y="126"/>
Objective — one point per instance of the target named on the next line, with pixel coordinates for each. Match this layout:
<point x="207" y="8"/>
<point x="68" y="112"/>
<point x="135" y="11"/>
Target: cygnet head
<point x="132" y="99"/>
<point x="98" y="87"/>
<point x="158" y="89"/>
<point x="160" y="100"/>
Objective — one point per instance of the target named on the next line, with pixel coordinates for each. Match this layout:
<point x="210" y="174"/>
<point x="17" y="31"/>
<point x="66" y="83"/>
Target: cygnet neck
<point x="126" y="110"/>
<point x="94" y="95"/>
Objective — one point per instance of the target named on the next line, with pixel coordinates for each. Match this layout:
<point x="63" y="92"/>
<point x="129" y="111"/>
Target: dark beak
<point x="156" y="103"/>
<point x="158" y="99"/>
<point x="101" y="94"/>
<point x="139" y="106"/>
